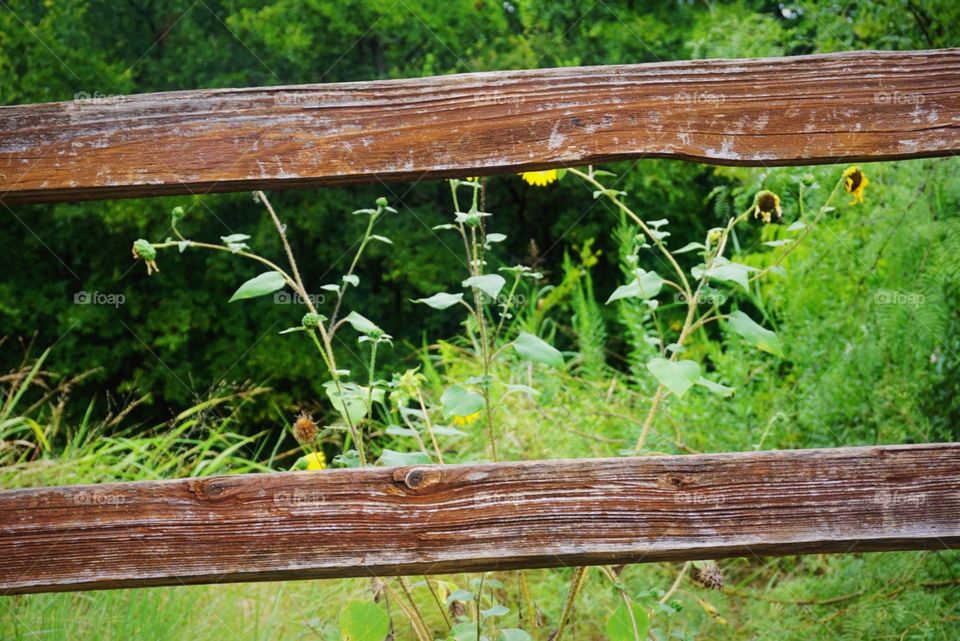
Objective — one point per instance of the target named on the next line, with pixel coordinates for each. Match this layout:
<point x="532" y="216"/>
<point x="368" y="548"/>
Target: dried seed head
<point x="709" y="575"/>
<point x="305" y="429"/>
<point x="457" y="609"/>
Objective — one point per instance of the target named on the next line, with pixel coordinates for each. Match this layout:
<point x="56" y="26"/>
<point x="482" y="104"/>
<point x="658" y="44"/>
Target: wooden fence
<point x="432" y="519"/>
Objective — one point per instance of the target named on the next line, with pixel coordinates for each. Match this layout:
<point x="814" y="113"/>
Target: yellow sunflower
<point x="462" y="421"/>
<point x="316" y="461"/>
<point x="854" y="182"/>
<point x="540" y="178"/>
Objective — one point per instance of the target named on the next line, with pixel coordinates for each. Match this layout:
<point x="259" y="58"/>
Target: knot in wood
<point x="416" y="478"/>
<point x="206" y="489"/>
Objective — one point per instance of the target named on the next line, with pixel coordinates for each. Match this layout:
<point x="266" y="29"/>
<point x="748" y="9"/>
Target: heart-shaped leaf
<point x="646" y="285"/>
<point x="677" y="376"/>
<point x="725" y="271"/>
<point x="459" y="401"/>
<point x="532" y="348"/>
<point x="489" y="284"/>
<point x="363" y="621"/>
<point x="362" y="324"/>
<point x="620" y="627"/>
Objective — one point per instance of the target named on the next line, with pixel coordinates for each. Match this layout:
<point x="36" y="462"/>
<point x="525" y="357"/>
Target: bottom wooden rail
<point x="437" y="519"/>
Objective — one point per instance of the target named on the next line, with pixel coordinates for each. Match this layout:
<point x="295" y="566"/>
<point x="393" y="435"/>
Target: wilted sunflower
<point x="854" y="182"/>
<point x="540" y="178"/>
<point x="469" y="419"/>
<point x="766" y="207"/>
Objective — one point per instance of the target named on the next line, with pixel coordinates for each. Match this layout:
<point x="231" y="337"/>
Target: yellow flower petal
<point x="540" y="178"/>
<point x="461" y="421"/>
<point x="854" y="182"/>
<point x="316" y="461"/>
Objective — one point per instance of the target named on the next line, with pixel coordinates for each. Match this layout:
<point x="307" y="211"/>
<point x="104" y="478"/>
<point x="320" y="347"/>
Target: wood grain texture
<point x="783" y="111"/>
<point x="441" y="519"/>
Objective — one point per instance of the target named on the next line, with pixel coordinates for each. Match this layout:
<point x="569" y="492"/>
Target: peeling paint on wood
<point x="442" y="519"/>
<point x="782" y="111"/>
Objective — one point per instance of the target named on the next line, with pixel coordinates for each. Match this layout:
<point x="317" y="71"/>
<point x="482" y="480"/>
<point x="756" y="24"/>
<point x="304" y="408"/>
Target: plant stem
<point x="416" y="621"/>
<point x="342" y="289"/>
<point x="576" y="582"/>
<point x="608" y="572"/>
<point x="436" y="599"/>
<point x="803" y="234"/>
<point x="676" y="582"/>
<point x="429" y="423"/>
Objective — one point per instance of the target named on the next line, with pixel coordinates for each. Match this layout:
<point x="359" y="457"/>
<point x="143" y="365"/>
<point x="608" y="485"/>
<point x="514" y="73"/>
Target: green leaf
<point x="396" y="430"/>
<point x="265" y="283"/>
<point x="445" y="430"/>
<point x="725" y="271"/>
<point x="716" y="388"/>
<point x="234" y="238"/>
<point x="489" y="284"/>
<point x="620" y="627"/>
<point x="495" y="611"/>
<point x="513" y="634"/>
<point x="362" y="324"/>
<point x="677" y="376"/>
<point x="351" y="279"/>
<point x="460" y="595"/>
<point x="350" y="400"/>
<point x="689" y="247"/>
<point x="441" y="300"/>
<point x="496" y="238"/>
<point x="466" y="631"/>
<point x="390" y="458"/>
<point x="382" y="239"/>
<point x="646" y="285"/>
<point x="532" y="348"/>
<point x="458" y="401"/>
<point x="758" y="336"/>
<point x="291" y="330"/>
<point x="363" y="621"/>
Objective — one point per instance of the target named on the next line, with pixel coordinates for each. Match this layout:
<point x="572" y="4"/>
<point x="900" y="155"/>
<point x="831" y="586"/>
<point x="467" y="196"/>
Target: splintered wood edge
<point x="851" y="107"/>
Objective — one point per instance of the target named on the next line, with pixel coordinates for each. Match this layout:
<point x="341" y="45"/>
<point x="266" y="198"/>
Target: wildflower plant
<point x="711" y="282"/>
<point x="489" y="313"/>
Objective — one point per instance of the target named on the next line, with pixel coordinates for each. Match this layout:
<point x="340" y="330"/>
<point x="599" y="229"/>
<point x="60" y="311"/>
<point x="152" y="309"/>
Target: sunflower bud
<point x="311" y="320"/>
<point x="144" y="249"/>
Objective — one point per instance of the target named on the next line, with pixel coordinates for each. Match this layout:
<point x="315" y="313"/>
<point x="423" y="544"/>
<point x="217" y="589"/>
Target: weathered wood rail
<point x="785" y="111"/>
<point x="435" y="519"/>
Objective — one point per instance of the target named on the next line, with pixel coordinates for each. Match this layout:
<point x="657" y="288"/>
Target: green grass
<point x="856" y="372"/>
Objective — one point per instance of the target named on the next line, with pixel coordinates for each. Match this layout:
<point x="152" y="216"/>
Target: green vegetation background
<point x="856" y="372"/>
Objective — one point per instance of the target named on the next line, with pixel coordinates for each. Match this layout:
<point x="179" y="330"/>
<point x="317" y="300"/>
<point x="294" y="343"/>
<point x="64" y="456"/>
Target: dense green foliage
<point x="172" y="381"/>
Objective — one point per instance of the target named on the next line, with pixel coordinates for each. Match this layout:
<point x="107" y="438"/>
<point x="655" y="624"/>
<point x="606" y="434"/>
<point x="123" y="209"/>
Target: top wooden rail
<point x="456" y="518"/>
<point x="850" y="107"/>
